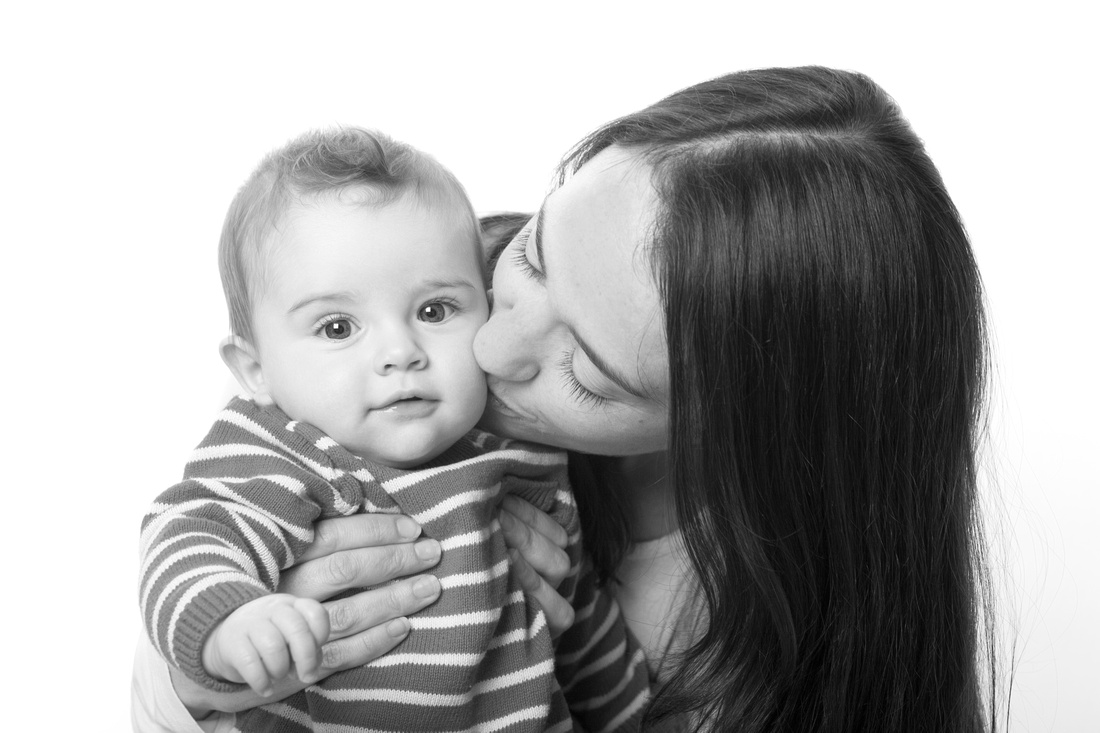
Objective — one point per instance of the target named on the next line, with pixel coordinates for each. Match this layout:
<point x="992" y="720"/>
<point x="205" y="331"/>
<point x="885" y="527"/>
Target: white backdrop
<point x="127" y="129"/>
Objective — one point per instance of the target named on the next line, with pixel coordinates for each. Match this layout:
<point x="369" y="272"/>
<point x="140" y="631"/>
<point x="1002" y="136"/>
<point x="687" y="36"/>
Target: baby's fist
<point x="258" y="643"/>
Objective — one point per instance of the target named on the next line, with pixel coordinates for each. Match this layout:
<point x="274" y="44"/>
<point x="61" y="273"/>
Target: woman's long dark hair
<point x="827" y="347"/>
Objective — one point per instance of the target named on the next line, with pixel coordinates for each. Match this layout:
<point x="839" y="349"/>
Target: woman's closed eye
<point x="573" y="386"/>
<point x="519" y="255"/>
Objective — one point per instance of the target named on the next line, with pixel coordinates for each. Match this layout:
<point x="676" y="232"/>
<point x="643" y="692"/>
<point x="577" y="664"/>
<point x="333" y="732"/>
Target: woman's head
<point x="575" y="348"/>
<point x="778" y="248"/>
<point x="825" y="330"/>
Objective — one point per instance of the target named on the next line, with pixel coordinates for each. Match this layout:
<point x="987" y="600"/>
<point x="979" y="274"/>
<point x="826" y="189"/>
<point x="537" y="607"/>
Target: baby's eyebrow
<point x="456" y="283"/>
<point x="343" y="296"/>
<point x="347" y="296"/>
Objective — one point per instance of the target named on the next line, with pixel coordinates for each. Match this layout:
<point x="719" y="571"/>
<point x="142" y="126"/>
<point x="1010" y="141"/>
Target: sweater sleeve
<point x="600" y="665"/>
<point x="219" y="539"/>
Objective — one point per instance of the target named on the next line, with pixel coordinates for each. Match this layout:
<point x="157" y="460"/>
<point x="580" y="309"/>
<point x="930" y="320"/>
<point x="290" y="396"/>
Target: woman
<point x="758" y="295"/>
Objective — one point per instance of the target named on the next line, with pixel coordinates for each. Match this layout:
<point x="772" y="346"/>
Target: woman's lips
<point x="504" y="409"/>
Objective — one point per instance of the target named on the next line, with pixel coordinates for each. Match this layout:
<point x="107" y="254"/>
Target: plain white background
<point x="126" y="130"/>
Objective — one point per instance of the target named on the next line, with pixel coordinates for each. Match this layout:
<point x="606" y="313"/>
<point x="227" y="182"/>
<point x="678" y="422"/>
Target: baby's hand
<point x="257" y="643"/>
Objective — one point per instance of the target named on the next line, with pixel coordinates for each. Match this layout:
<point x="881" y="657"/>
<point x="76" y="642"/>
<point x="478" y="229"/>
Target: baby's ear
<point x="242" y="359"/>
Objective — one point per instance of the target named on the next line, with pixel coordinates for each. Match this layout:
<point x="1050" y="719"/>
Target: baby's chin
<point x="402" y="459"/>
<point x="410" y="448"/>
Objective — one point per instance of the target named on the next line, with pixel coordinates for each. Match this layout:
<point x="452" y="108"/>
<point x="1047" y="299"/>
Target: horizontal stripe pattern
<point x="481" y="658"/>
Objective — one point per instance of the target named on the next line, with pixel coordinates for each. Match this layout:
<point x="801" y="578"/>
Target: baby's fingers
<point x="303" y="647"/>
<point x="271" y="646"/>
<point x="250" y="666"/>
<point x="316" y="616"/>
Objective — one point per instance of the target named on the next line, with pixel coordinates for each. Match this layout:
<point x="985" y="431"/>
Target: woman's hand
<point x="347" y="552"/>
<point x="538" y="558"/>
<point x="370" y="549"/>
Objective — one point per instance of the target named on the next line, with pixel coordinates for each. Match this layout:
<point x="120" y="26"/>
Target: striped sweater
<point x="480" y="658"/>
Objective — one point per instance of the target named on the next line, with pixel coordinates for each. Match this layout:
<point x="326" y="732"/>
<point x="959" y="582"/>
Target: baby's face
<point x="364" y="325"/>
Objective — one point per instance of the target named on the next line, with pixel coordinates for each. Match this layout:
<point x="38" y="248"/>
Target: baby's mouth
<point x="410" y="404"/>
<point x="400" y="401"/>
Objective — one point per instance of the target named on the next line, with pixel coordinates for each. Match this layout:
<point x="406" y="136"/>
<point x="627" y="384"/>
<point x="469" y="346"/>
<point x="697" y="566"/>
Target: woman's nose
<point x="397" y="350"/>
<point x="507" y="348"/>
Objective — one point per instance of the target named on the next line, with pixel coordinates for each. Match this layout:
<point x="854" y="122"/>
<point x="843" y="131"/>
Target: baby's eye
<point x="434" y="312"/>
<point x="337" y="329"/>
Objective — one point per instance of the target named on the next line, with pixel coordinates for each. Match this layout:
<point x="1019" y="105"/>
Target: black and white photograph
<point x="577" y="366"/>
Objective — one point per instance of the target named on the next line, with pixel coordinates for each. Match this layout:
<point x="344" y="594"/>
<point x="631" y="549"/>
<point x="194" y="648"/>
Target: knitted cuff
<point x="199" y="618"/>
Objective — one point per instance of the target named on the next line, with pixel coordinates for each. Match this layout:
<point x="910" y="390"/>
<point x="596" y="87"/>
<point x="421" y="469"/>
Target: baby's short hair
<point x="319" y="162"/>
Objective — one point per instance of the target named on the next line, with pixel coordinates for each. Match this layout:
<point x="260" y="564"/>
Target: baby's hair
<point x="497" y="230"/>
<point x="376" y="168"/>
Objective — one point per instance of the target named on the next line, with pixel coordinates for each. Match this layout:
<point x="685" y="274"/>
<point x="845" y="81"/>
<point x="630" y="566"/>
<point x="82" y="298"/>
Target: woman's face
<point x="575" y="348"/>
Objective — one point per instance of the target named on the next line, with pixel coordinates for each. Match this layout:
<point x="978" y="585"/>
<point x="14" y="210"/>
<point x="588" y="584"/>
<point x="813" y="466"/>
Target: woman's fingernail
<point x="398" y="628"/>
<point x="427" y="549"/>
<point x="507" y="521"/>
<point x="426" y="587"/>
<point x="407" y="528"/>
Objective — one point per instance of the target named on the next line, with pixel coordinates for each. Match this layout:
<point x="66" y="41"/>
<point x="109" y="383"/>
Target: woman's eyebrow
<point x="601" y="364"/>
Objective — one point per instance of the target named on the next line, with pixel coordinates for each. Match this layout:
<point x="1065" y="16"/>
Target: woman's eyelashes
<point x="576" y="390"/>
<point x="519" y="255"/>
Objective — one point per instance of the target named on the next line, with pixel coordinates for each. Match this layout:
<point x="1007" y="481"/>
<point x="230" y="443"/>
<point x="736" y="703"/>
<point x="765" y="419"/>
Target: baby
<point x="354" y="275"/>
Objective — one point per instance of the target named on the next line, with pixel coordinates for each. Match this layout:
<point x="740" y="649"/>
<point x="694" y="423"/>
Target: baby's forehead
<point x="452" y="215"/>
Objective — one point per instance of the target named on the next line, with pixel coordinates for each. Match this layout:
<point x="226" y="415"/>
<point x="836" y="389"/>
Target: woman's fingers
<point x="559" y="614"/>
<point x="536" y="519"/>
<point x="373" y="608"/>
<point x="539" y="560"/>
<point x="359" y="531"/>
<point x="526" y="532"/>
<point x="366" y="646"/>
<point x="324" y="577"/>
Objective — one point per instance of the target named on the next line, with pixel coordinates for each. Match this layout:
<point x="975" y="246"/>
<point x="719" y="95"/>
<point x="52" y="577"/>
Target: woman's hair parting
<point x="826" y="333"/>
<point x="379" y="169"/>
